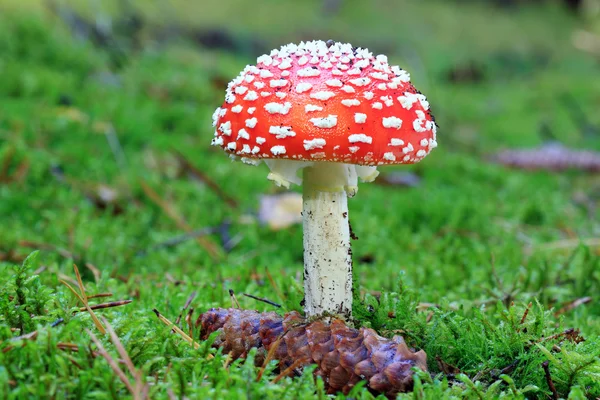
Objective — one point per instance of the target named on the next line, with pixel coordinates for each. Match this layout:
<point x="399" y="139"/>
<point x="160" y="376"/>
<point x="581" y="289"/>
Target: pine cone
<point x="344" y="356"/>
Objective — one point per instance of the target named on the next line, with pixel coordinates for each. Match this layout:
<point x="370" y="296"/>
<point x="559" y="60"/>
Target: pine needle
<point x="181" y="333"/>
<point x="83" y="299"/>
<point x="111" y="361"/>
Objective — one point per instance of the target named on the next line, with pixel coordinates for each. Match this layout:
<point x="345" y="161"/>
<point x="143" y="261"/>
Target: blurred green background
<point x="105" y="159"/>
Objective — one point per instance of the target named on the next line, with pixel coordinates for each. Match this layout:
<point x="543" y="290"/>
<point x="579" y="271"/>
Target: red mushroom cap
<point x="320" y="101"/>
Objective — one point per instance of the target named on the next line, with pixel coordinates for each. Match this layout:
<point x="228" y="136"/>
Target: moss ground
<point x="89" y="134"/>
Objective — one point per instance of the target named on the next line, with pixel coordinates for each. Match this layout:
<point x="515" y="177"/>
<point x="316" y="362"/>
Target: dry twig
<point x="207" y="244"/>
<point x="202" y="177"/>
<point x="573" y="304"/>
<point x="549" y="380"/>
<point x="262" y="299"/>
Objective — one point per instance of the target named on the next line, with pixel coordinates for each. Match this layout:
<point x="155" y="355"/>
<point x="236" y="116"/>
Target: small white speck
<point x="309" y="71"/>
<point x="314" y="144"/>
<point x="392" y="122"/>
<point x="336" y="147"/>
<point x="318" y="155"/>
<point x="277" y="150"/>
<point x="417" y="123"/>
<point x="285" y="63"/>
<point x="265" y="94"/>
<point x="389" y="156"/>
<point x="231" y="145"/>
<point x="311" y="107"/>
<point x="407" y="100"/>
<point x="369" y="95"/>
<point x="354" y="71"/>
<point x="387" y="100"/>
<point x="409" y="147"/>
<point x="336" y="72"/>
<point x="243" y="134"/>
<point x="423" y="101"/>
<point x="251" y="110"/>
<point x="264" y="59"/>
<point x="360" y="81"/>
<point x="424" y="142"/>
<point x="278" y="108"/>
<point x="326" y="122"/>
<point x="281" y="95"/>
<point x="215" y="116"/>
<point x="285" y="73"/>
<point x="255" y="149"/>
<point x="421" y="153"/>
<point x="377" y="105"/>
<point x="259" y="85"/>
<point x="350" y="102"/>
<point x="382" y="86"/>
<point x="251" y="123"/>
<point x="281" y="132"/>
<point x="379" y="75"/>
<point x="406" y="157"/>
<point x="302" y="60"/>
<point x="251" y="96"/>
<point x="396" y="142"/>
<point x="217" y="141"/>
<point x="303" y="87"/>
<point x="237" y="109"/>
<point x="322" y="95"/>
<point x="278" y="82"/>
<point x="241" y="90"/>
<point x="432" y="144"/>
<point x="353" y="149"/>
<point x="360" y="118"/>
<point x="265" y="73"/>
<point x="249" y="78"/>
<point x="245" y="149"/>
<point x="361" y="63"/>
<point x="334" y="83"/>
<point x="401" y="74"/>
<point x="260" y="140"/>
<point x="360" y="137"/>
<point x="348" y="89"/>
<point x="229" y="98"/>
<point x="225" y="128"/>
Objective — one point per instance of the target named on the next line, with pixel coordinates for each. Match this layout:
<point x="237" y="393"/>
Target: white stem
<point x="327" y="253"/>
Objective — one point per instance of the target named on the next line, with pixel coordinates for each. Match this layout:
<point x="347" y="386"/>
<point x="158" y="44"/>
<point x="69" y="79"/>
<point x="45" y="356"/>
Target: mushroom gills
<point x="285" y="172"/>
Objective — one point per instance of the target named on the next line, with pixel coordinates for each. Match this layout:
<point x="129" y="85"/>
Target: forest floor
<point x="106" y="163"/>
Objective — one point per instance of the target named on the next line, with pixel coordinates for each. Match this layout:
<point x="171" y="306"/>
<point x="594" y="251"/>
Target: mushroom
<point x="336" y="112"/>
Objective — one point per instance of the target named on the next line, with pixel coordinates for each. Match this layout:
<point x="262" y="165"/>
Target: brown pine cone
<point x="343" y="355"/>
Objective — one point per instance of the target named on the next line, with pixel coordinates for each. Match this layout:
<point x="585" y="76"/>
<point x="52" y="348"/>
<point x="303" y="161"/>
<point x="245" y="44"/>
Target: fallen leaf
<point x="280" y="211"/>
<point x="552" y="157"/>
<point x="407" y="179"/>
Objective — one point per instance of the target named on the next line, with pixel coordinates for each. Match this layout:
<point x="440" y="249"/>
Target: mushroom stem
<point x="327" y="253"/>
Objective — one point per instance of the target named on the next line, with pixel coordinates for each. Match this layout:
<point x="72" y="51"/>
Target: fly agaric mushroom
<point x="337" y="112"/>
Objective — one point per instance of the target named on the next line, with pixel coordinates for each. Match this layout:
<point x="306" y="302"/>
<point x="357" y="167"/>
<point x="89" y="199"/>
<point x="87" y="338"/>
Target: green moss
<point x="450" y="264"/>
